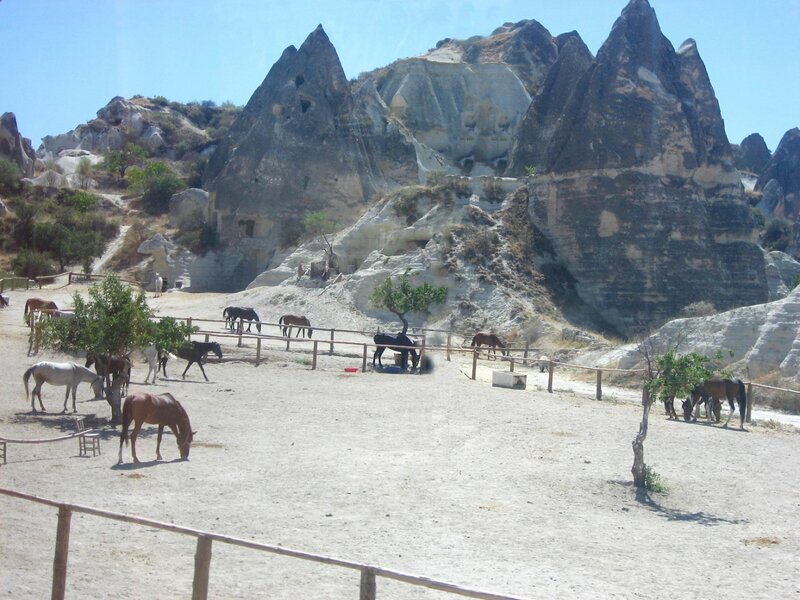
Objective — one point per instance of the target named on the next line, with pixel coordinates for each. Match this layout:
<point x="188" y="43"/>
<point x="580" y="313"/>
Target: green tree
<point x="157" y="182"/>
<point x="114" y="319"/>
<point x="84" y="172"/>
<point x="26" y="221"/>
<point x="10" y="174"/>
<point x="30" y="263"/>
<point x="668" y="375"/>
<point x="118" y="161"/>
<point x="403" y="298"/>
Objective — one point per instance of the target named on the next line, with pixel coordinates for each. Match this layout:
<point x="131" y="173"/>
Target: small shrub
<point x="30" y="264"/>
<point x="653" y="482"/>
<point x="698" y="309"/>
<point x="10" y="174"/>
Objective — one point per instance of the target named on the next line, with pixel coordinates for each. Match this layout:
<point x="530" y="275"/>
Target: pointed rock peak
<point x="570" y="39"/>
<point x="316" y="37"/>
<point x="637" y="21"/>
<point x="688" y="47"/>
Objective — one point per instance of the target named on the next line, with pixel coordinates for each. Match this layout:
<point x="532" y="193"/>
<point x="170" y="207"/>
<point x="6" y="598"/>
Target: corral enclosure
<point x="512" y="491"/>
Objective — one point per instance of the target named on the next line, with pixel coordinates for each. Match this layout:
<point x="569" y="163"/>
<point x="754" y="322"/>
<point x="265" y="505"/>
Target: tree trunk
<point x="638" y="468"/>
<point x="402" y="317"/>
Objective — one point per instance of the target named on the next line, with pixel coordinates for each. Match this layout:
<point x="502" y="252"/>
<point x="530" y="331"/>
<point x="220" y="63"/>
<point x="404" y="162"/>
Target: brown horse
<point x="162" y="409"/>
<point x="490" y="340"/>
<point x="34" y="304"/>
<point x="302" y="324"/>
<point x="712" y="391"/>
<point x="111" y="367"/>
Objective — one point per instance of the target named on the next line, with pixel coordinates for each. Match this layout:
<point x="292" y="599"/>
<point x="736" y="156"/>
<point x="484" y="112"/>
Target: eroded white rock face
<point x="763" y="338"/>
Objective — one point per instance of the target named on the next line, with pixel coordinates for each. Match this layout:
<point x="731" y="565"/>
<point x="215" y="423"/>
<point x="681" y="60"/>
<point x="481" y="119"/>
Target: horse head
<point x="216" y="349"/>
<point x="687" y="406"/>
<point x="185" y="444"/>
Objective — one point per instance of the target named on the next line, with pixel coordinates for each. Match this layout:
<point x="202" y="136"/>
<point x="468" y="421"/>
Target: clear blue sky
<point x="62" y="60"/>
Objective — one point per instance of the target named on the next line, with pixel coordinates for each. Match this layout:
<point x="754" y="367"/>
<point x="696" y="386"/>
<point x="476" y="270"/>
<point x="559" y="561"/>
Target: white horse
<point x="159" y="283"/>
<point x="151" y="355"/>
<point x="67" y="373"/>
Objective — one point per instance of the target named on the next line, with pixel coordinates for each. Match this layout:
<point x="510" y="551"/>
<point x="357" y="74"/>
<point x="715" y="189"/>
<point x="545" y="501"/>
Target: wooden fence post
<point x="62" y="554"/>
<point x="206" y="338"/>
<point x="258" y="350"/>
<point x="550" y="368"/>
<point x="241" y="327"/>
<point x="364" y="362"/>
<point x="330" y="351"/>
<point x="449" y="335"/>
<point x="511" y="367"/>
<point x="202" y="566"/>
<point x="525" y="354"/>
<point x="749" y="401"/>
<point x="368" y="585"/>
<point x="314" y="359"/>
<point x="474" y="363"/>
<point x="599" y="394"/>
<point x="69" y="278"/>
<point x="288" y="339"/>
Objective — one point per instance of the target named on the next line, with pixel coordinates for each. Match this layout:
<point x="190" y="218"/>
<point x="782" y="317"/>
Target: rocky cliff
<point x="637" y="193"/>
<point x="16" y="147"/>
<point x="297" y="146"/>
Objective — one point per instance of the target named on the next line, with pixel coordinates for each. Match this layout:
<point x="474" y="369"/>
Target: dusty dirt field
<point x="517" y="492"/>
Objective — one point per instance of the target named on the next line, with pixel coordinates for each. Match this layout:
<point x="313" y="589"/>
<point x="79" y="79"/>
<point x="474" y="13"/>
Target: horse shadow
<point x="145" y="464"/>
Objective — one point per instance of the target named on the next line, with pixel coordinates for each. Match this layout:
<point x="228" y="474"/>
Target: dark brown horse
<point x="111" y="367"/>
<point x="162" y="410"/>
<point x="302" y="324"/>
<point x="34" y="304"/>
<point x="3" y="301"/>
<point x="194" y="352"/>
<point x="490" y="340"/>
<point x="399" y="343"/>
<point x="712" y="391"/>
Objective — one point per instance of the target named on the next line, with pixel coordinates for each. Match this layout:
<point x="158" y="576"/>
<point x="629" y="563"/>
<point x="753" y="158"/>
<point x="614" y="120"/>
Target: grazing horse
<point x="302" y="323"/>
<point x="232" y="313"/>
<point x="161" y="410"/>
<point x="3" y="301"/>
<point x="158" y="284"/>
<point x="396" y="343"/>
<point x="490" y="340"/>
<point x="111" y="367"/>
<point x="714" y="390"/>
<point x="67" y="373"/>
<point x="34" y="304"/>
<point x="194" y="353"/>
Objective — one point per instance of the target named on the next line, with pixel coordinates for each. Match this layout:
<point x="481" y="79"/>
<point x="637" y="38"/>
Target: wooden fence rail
<point x="202" y="562"/>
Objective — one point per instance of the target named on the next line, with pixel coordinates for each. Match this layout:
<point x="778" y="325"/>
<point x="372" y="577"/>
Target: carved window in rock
<point x="247" y="227"/>
<point x="299" y="80"/>
<point x="305" y="104"/>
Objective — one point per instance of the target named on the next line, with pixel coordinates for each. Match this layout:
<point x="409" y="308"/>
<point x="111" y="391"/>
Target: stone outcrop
<point x="762" y="338"/>
<point x="188" y="207"/>
<point x="752" y="155"/>
<point x="780" y="179"/>
<point x="546" y="112"/>
<point x="16" y="147"/>
<point x="297" y="146"/>
<point x="154" y="125"/>
<point x="639" y="198"/>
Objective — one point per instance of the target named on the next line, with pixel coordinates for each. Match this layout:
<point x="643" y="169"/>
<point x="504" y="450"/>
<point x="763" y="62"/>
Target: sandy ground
<point x="517" y="492"/>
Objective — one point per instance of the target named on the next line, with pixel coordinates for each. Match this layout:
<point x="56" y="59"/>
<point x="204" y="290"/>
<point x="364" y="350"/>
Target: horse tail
<point x="127" y="417"/>
<point x="25" y="379"/>
<point x="474" y="339"/>
<point x="280" y="321"/>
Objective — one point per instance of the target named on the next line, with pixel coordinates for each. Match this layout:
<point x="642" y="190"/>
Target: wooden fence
<point x="202" y="559"/>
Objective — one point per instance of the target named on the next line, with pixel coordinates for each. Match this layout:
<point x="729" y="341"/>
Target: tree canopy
<point x="115" y="319"/>
<point x="403" y="297"/>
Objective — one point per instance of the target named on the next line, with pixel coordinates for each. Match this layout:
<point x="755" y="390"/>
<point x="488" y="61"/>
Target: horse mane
<point x="185" y="426"/>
